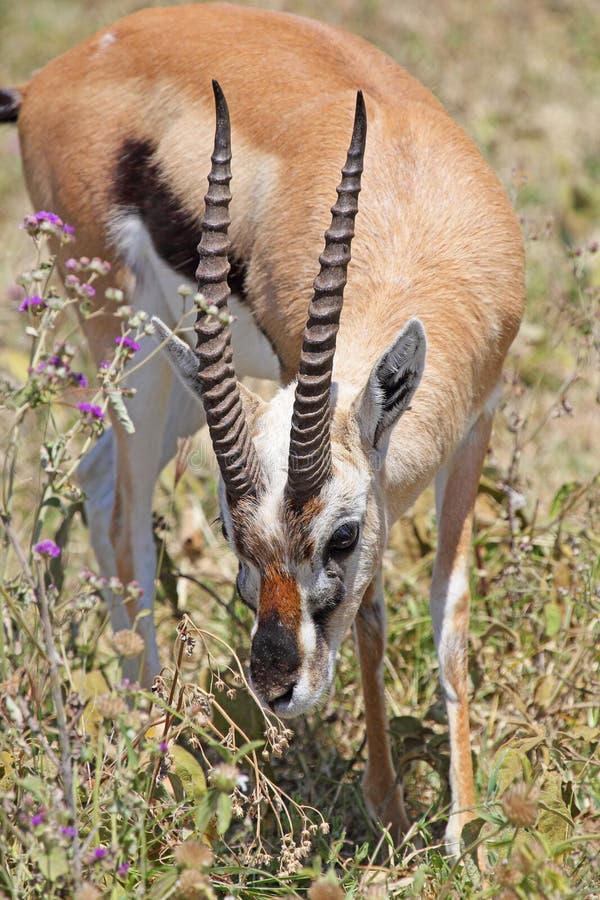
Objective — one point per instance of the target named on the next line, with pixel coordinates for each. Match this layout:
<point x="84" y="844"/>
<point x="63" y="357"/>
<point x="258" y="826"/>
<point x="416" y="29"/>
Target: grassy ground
<point x="524" y="80"/>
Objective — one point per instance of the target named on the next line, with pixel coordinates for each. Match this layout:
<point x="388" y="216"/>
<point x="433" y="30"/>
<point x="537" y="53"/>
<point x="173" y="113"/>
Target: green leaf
<point x="115" y="399"/>
<point x="408" y="726"/>
<point x="164" y="887"/>
<point x="167" y="576"/>
<point x="361" y="853"/>
<point x="90" y="685"/>
<point x="419" y="882"/>
<point x="555" y="822"/>
<point x="545" y="690"/>
<point x="525" y="745"/>
<point x="61" y="539"/>
<point x="586" y="733"/>
<point x="51" y="501"/>
<point x="35" y="786"/>
<point x="573" y="841"/>
<point x="471" y="830"/>
<point x="561" y="497"/>
<point x="177" y="786"/>
<point x="7" y="775"/>
<point x="203" y="813"/>
<point x="511" y="764"/>
<point x="223" y="813"/>
<point x="552" y="618"/>
<point x="189" y="772"/>
<point x="53" y="863"/>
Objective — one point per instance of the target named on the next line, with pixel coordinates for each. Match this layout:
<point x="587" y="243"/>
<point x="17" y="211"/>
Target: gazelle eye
<point x="344" y="538"/>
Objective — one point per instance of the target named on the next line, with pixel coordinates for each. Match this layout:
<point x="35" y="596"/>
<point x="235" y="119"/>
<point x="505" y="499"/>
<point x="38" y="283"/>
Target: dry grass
<point x="524" y="81"/>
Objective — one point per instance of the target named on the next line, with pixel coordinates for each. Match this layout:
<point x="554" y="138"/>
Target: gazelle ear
<point x="392" y="383"/>
<point x="252" y="403"/>
<point x="184" y="363"/>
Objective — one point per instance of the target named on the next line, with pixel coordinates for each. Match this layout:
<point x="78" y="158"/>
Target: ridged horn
<point x="309" y="463"/>
<point x="221" y="398"/>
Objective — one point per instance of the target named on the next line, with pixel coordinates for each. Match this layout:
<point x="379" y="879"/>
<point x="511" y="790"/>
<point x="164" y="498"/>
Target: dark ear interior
<point x="393" y="382"/>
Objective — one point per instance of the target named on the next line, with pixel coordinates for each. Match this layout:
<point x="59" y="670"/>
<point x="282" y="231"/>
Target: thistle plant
<point x="35" y="597"/>
<point x="91" y="767"/>
<point x="107" y="790"/>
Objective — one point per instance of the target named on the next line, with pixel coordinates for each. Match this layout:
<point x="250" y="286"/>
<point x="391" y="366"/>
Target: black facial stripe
<point x="323" y="604"/>
<point x="321" y="618"/>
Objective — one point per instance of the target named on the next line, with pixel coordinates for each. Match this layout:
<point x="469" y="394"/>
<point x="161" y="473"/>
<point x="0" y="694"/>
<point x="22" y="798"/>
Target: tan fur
<point x="433" y="206"/>
<point x="436" y="238"/>
<point x="452" y="559"/>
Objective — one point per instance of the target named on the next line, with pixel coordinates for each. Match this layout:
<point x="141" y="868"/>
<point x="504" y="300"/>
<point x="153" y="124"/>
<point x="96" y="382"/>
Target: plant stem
<point x="66" y="769"/>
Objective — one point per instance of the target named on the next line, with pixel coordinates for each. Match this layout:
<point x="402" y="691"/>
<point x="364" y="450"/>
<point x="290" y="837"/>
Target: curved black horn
<point x="231" y="440"/>
<point x="310" y="445"/>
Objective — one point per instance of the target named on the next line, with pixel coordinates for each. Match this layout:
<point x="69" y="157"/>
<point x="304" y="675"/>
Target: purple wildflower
<point x="50" y="217"/>
<point x="47" y="221"/>
<point x="32" y="302"/>
<point x="49" y="361"/>
<point x="123" y="869"/>
<point x="47" y="548"/>
<point x="58" y="367"/>
<point x="163" y="747"/>
<point x="104" y="365"/>
<point x="68" y="831"/>
<point x="128" y="343"/>
<point x="39" y="818"/>
<point x="99" y="853"/>
<point x="79" y="379"/>
<point x="91" y="410"/>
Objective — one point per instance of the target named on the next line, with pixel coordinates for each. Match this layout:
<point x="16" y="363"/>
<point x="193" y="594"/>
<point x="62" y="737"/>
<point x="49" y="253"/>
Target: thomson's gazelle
<point x="116" y="136"/>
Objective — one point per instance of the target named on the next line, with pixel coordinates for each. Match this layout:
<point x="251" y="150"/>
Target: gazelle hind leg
<point x="383" y="795"/>
<point x="456" y="490"/>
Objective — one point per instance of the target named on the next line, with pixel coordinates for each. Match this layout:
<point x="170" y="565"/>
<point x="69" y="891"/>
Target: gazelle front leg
<point x="383" y="795"/>
<point x="456" y="490"/>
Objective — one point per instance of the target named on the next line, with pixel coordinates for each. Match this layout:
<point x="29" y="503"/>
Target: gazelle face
<point x="303" y="570"/>
<point x="304" y="566"/>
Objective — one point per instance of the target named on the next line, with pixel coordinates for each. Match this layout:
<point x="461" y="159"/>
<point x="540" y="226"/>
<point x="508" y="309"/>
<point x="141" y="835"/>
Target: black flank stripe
<point x="140" y="185"/>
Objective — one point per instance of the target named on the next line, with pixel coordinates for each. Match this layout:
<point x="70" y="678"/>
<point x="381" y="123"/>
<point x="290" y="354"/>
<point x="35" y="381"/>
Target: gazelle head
<point x="301" y="492"/>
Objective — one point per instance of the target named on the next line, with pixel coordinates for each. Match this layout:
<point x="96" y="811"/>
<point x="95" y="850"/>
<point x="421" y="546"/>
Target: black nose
<point x="274" y="660"/>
